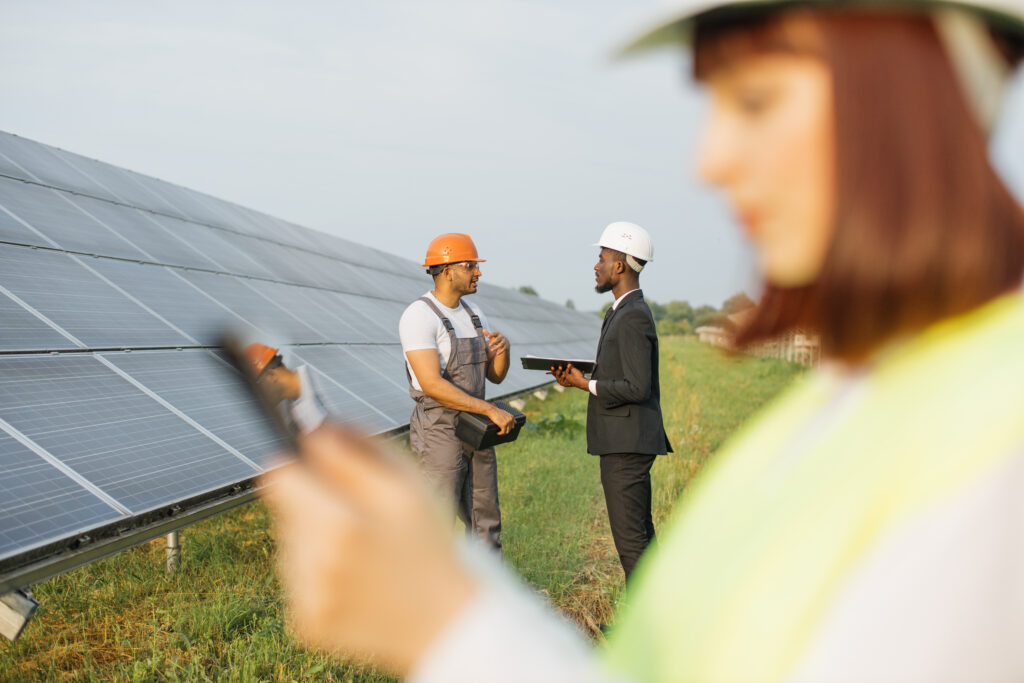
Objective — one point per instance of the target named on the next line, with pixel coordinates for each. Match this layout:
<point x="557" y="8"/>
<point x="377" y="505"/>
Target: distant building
<point x="716" y="336"/>
<point x="796" y="346"/>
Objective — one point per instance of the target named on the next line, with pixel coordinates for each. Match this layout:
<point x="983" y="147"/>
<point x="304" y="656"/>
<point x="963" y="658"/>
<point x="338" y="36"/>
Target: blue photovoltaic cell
<point x="383" y="283"/>
<point x="248" y="221"/>
<point x="38" y="162"/>
<point x="279" y="261"/>
<point x="22" y="331"/>
<point x="242" y="298"/>
<point x="367" y="328"/>
<point x="215" y="245"/>
<point x="210" y="392"/>
<point x="40" y="504"/>
<point x="383" y="314"/>
<point x="351" y="391"/>
<point x="168" y="293"/>
<point x="12" y="228"/>
<point x="55" y="215"/>
<point x="110" y="432"/>
<point x="148" y="198"/>
<point x="140" y="230"/>
<point x="385" y="359"/>
<point x="79" y="302"/>
<point x="330" y="321"/>
<point x="187" y="202"/>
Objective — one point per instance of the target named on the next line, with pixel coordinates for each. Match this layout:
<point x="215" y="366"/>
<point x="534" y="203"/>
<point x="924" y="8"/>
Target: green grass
<point x="220" y="616"/>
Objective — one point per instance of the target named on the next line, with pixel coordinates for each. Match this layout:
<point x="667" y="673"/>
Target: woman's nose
<point x="716" y="154"/>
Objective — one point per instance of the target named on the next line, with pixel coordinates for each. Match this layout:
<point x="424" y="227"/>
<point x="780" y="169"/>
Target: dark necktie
<point x="607" y="317"/>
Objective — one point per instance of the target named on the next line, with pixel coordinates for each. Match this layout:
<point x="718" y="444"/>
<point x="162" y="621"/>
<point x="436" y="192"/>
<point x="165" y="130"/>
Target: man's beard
<point x="602" y="288"/>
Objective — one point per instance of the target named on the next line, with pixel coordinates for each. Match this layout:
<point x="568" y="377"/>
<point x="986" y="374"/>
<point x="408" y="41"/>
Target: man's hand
<point x="496" y="344"/>
<point x="503" y="419"/>
<point x="569" y="376"/>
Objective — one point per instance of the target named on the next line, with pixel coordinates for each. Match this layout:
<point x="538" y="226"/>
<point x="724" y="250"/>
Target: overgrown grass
<point x="220" y="617"/>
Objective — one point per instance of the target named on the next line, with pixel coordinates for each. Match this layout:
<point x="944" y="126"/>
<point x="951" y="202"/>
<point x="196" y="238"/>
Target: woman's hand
<point x="368" y="567"/>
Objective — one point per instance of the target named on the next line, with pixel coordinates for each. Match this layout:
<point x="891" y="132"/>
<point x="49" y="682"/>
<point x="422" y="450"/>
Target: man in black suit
<point x="624" y="424"/>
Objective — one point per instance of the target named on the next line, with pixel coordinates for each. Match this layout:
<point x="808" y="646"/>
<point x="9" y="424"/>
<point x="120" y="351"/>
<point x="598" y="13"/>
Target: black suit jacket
<point x="625" y="416"/>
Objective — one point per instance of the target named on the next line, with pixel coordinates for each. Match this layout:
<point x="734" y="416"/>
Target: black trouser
<point x="626" y="479"/>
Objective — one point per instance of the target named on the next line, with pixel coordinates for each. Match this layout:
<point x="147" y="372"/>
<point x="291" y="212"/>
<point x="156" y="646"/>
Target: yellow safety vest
<point x="763" y="543"/>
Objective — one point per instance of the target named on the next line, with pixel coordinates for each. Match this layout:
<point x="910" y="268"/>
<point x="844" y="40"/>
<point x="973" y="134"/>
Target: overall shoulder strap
<point x="447" y="326"/>
<point x="444" y="319"/>
<point x="477" y="325"/>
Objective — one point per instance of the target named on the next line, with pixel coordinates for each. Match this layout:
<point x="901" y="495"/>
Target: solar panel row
<point x="114" y="285"/>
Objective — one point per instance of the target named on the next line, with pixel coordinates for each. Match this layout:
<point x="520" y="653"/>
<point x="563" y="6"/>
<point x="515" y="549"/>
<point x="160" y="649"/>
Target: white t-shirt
<point x="307" y="410"/>
<point x="420" y="328"/>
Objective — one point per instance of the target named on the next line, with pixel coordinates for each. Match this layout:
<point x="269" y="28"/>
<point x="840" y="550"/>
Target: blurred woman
<point x="868" y="525"/>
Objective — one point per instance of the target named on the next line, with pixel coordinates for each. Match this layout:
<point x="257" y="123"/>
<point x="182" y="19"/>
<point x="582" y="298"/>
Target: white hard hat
<point x="961" y="25"/>
<point x="674" y="24"/>
<point x="631" y="240"/>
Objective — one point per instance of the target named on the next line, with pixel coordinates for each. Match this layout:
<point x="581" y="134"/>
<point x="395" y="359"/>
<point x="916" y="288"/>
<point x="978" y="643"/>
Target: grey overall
<point x="467" y="476"/>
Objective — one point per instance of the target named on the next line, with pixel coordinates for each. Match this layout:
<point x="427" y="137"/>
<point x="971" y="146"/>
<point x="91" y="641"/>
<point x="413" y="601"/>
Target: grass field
<point x="220" y="616"/>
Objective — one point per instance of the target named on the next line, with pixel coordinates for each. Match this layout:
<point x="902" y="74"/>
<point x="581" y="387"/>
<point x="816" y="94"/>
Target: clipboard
<point x="531" y="362"/>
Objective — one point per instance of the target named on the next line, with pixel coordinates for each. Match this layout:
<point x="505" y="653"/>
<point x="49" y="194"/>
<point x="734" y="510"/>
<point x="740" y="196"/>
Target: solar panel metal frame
<point x="238" y="233"/>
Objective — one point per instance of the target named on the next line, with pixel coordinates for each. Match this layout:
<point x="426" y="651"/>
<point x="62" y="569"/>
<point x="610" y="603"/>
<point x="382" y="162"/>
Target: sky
<point x="388" y="122"/>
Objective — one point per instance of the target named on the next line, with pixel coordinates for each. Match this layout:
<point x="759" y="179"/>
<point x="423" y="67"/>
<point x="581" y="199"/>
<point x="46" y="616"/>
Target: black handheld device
<point x="234" y="345"/>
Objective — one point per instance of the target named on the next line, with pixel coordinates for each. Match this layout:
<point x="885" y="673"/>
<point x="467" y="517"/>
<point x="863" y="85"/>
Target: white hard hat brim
<point x="674" y="24"/>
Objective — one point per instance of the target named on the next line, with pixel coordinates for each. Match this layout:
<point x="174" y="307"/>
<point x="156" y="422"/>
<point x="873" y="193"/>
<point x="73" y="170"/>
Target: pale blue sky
<point x="387" y="122"/>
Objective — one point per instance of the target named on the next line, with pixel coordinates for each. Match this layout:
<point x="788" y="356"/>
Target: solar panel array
<point x="114" y="287"/>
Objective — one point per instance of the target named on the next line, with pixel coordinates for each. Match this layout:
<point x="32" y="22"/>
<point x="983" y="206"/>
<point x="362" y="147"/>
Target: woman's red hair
<point x="924" y="227"/>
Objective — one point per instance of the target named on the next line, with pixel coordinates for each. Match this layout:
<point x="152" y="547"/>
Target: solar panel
<point x="241" y="297"/>
<point x="201" y="385"/>
<point x="213" y="244"/>
<point x="117" y="182"/>
<point x="31" y="160"/>
<point x="22" y="331"/>
<point x="62" y="288"/>
<point x="353" y="392"/>
<point x="59" y="222"/>
<point x="39" y="503"/>
<point x="168" y="293"/>
<point x="136" y="227"/>
<point x="312" y="307"/>
<point x="110" y="432"/>
<point x="117" y="415"/>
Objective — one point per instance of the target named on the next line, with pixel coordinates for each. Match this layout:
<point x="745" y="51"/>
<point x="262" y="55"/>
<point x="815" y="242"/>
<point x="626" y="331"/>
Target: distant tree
<point x="604" y="309"/>
<point x="705" y="316"/>
<point x="570" y="305"/>
<point x="657" y="310"/>
<point x="667" y="327"/>
<point x="527" y="289"/>
<point x="736" y="303"/>
<point x="679" y="310"/>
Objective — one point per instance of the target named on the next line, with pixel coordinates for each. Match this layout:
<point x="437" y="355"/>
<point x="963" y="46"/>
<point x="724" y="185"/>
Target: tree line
<point x="679" y="317"/>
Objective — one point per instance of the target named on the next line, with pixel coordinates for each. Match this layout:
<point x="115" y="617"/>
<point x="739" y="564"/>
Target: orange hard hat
<point x="451" y="247"/>
<point x="259" y="355"/>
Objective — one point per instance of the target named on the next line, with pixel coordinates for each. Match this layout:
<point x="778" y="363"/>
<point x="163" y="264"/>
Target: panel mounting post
<point x="16" y="608"/>
<point x="173" y="552"/>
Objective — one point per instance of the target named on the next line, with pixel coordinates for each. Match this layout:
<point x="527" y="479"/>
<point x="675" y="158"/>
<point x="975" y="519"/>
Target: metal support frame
<point x="173" y="552"/>
<point x="95" y="549"/>
<point x="16" y="608"/>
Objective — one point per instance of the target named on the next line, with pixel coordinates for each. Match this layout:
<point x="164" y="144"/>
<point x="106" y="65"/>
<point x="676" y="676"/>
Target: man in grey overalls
<point x="450" y="354"/>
